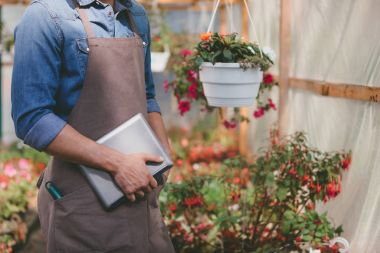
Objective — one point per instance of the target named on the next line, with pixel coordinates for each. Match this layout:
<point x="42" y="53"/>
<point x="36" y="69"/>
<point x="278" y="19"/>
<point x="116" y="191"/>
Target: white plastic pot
<point x="159" y="61"/>
<point x="228" y="85"/>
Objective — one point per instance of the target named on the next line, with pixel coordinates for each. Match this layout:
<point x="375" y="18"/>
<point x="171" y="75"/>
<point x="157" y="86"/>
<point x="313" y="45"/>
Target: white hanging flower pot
<point x="229" y="85"/>
<point x="159" y="60"/>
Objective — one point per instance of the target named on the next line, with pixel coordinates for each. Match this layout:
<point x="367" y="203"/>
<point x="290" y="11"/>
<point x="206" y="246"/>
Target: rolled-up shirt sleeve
<point x="152" y="103"/>
<point x="35" y="78"/>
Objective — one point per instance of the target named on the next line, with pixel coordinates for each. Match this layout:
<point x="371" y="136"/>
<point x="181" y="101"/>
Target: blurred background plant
<point x="19" y="169"/>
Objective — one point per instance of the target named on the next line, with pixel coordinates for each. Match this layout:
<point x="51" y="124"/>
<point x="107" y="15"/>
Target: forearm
<point x="72" y="146"/>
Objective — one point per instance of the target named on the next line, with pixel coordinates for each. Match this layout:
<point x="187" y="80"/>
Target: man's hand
<point x="132" y="175"/>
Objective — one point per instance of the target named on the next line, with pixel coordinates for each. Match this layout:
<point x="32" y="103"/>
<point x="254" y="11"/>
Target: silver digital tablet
<point x="133" y="136"/>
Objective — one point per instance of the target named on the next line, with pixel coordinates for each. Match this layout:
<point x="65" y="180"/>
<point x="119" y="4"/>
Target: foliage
<point x="230" y="48"/>
<point x="222" y="202"/>
<point x="19" y="170"/>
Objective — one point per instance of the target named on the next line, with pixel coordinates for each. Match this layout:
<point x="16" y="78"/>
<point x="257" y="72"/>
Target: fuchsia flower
<point x="259" y="112"/>
<point x="192" y="75"/>
<point x="186" y="52"/>
<point x="229" y="124"/>
<point x="271" y="104"/>
<point x="184" y="106"/>
<point x="193" y="91"/>
<point x="268" y="79"/>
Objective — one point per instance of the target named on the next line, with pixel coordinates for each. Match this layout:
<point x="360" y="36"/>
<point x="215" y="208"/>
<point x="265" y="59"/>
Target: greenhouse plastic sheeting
<point x="334" y="41"/>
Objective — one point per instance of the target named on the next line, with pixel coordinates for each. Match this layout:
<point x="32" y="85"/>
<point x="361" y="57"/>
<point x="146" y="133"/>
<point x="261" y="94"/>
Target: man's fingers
<point x="147" y="189"/>
<point x="131" y="197"/>
<point x="152" y="182"/>
<point x="140" y="194"/>
<point x="152" y="158"/>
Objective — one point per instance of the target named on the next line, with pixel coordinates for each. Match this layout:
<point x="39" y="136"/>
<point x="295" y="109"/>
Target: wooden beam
<point x="285" y="47"/>
<point x="3" y="2"/>
<point x="349" y="91"/>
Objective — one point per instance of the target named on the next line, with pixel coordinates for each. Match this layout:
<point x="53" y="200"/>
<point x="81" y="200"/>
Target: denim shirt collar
<point x="120" y="5"/>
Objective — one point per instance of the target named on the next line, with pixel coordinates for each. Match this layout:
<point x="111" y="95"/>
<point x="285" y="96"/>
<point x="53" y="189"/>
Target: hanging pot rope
<point x="249" y="17"/>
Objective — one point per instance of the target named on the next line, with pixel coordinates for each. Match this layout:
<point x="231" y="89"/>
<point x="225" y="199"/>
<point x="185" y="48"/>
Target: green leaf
<point x="227" y="54"/>
<point x="281" y="193"/>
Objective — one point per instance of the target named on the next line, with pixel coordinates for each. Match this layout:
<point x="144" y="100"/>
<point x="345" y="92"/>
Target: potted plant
<point x="188" y="89"/>
<point x="160" y="54"/>
<point x="231" y="69"/>
<point x="219" y="201"/>
<point x="160" y="45"/>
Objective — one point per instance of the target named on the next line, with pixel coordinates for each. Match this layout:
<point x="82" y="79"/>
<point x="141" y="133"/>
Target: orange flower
<point x="206" y="36"/>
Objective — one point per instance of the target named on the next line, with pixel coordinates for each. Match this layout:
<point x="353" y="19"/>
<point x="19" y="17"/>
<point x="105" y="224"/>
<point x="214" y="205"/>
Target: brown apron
<point x="113" y="91"/>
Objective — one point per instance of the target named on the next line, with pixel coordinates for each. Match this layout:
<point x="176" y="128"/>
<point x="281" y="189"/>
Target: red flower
<point x="293" y="172"/>
<point x="319" y="188"/>
<point x="40" y="166"/>
<point x="235" y="197"/>
<point x="237" y="180"/>
<point x="346" y="163"/>
<point x="310" y="206"/>
<point x="259" y="113"/>
<point x="193" y="91"/>
<point x="4" y="181"/>
<point x="230" y="124"/>
<point x="268" y="79"/>
<point x="184" y="106"/>
<point x="271" y="104"/>
<point x="193" y="201"/>
<point x="305" y="179"/>
<point x="298" y="239"/>
<point x="173" y="207"/>
<point x="186" y="52"/>
<point x="332" y="190"/>
<point x="166" y="86"/>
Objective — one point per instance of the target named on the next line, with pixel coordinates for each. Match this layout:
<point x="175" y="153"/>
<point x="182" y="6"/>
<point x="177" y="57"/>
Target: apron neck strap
<point x="87" y="25"/>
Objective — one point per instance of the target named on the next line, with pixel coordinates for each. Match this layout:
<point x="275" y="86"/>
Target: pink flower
<point x="184" y="106"/>
<point x="25" y="174"/>
<point x="193" y="91"/>
<point x="192" y="75"/>
<point x="9" y="170"/>
<point x="166" y="86"/>
<point x="271" y="104"/>
<point x="259" y="113"/>
<point x="186" y="52"/>
<point x="24" y="164"/>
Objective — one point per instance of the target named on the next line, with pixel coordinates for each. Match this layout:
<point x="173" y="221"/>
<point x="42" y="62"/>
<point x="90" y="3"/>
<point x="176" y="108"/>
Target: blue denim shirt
<point x="51" y="61"/>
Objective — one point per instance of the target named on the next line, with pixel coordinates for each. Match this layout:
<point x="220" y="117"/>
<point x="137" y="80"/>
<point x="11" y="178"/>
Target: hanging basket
<point x="228" y="85"/>
<point x="159" y="61"/>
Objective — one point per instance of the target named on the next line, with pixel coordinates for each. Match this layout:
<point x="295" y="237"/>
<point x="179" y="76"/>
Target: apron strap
<point x="87" y="25"/>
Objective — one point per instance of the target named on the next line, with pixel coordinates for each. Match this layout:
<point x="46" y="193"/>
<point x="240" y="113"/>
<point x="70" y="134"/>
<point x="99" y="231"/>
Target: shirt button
<point x="110" y="13"/>
<point x="88" y="49"/>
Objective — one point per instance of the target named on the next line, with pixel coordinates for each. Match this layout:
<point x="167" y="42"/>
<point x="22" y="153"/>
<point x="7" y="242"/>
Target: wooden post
<point x="243" y="133"/>
<point x="285" y="46"/>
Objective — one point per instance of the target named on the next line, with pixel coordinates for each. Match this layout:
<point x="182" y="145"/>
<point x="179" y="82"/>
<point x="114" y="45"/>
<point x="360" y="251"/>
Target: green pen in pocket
<point x="53" y="190"/>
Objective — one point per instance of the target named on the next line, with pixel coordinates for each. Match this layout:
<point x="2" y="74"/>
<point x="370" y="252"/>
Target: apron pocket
<point x="82" y="225"/>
